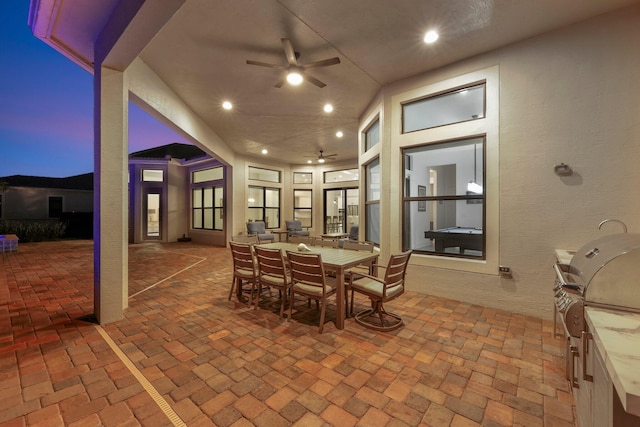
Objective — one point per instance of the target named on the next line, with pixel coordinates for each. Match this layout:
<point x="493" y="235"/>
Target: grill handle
<point x="570" y="287"/>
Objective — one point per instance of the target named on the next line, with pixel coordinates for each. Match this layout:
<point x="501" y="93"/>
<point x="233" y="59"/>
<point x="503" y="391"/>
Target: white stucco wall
<point x="568" y="96"/>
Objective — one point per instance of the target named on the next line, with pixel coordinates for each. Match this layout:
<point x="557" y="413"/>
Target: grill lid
<point x="608" y="268"/>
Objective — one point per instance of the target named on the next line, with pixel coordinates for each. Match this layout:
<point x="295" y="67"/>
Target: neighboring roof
<point x="175" y="151"/>
<point x="77" y="182"/>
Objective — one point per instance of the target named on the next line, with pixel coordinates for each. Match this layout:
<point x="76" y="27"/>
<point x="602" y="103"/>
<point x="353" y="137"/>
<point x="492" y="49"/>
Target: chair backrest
<point x="329" y="243"/>
<point x="253" y="238"/>
<point x="307" y="240"/>
<point x="271" y="262"/>
<point x="357" y="246"/>
<point x="293" y="225"/>
<point x="256" y="227"/>
<point x="307" y="268"/>
<point x="242" y="256"/>
<point x="395" y="274"/>
<point x="353" y="232"/>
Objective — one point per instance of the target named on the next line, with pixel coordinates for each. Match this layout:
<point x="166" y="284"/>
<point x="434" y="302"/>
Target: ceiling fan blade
<point x="313" y="80"/>
<point x="289" y="52"/>
<point x="323" y="63"/>
<point x="264" y="64"/>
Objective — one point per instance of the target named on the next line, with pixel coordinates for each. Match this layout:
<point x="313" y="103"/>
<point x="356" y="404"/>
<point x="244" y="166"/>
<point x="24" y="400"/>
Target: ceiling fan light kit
<point x="296" y="73"/>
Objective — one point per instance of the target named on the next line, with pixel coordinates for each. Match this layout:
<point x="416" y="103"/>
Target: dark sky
<point x="46" y="106"/>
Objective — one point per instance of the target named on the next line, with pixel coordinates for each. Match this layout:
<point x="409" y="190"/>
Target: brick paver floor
<point x="191" y="357"/>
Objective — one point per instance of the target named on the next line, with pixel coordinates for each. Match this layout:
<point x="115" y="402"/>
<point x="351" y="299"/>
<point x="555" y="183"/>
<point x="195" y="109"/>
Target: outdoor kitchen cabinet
<point x="597" y="401"/>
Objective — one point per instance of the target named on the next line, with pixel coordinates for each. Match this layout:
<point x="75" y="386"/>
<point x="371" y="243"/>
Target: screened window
<point x="443" y="206"/>
<point x="345" y="175"/>
<point x="372" y="135"/>
<point x="457" y="106"/>
<point x="264" y="205"/>
<point x="372" y="201"/>
<point x="208" y="208"/>
<point x="260" y="174"/>
<point x="152" y="175"/>
<point x="302" y="206"/>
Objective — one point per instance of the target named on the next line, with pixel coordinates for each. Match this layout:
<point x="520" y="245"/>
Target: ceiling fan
<point x="295" y="72"/>
<point x="322" y="157"/>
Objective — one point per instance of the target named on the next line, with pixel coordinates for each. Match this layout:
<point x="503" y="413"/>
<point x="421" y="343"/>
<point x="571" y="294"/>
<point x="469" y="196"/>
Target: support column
<point x="110" y="227"/>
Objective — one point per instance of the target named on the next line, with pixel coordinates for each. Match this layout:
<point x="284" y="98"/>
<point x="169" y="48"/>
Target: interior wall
<point x="567" y="96"/>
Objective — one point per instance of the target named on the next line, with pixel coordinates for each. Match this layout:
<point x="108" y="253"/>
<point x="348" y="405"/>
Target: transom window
<point x="152" y="175"/>
<point x="372" y="135"/>
<point x="345" y="175"/>
<point x="456" y="106"/>
<point x="260" y="174"/>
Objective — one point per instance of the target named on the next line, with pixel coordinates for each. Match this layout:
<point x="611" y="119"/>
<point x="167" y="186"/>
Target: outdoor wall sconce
<point x="563" y="170"/>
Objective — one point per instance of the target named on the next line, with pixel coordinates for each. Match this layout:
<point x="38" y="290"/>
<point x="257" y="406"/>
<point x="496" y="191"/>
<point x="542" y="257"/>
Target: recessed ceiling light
<point x="339" y="134"/>
<point x="294" y="78"/>
<point x="264" y="151"/>
<point x="328" y="108"/>
<point x="431" y="36"/>
<point x="309" y="161"/>
<point x="227" y="105"/>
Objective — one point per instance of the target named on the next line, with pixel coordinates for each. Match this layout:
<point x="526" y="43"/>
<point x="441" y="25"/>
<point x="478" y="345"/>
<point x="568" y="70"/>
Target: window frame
<point x="470" y="198"/>
<point x="264" y="208"/>
<point x="305" y="209"/>
<point x="489" y="126"/>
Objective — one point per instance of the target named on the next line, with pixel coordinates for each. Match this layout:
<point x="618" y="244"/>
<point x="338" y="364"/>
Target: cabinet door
<point x="602" y="398"/>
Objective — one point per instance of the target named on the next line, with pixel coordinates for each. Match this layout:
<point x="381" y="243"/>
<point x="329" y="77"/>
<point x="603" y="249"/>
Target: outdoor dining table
<point x="337" y="260"/>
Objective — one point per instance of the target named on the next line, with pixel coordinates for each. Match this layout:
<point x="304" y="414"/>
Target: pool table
<point x="461" y="237"/>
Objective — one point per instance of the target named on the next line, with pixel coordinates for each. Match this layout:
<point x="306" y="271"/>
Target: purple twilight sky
<point x="46" y="106"/>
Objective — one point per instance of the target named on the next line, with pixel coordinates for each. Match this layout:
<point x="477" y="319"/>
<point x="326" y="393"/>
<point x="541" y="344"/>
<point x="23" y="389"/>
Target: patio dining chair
<point x="381" y="291"/>
<point x="308" y="279"/>
<point x="244" y="269"/>
<point x="272" y="273"/>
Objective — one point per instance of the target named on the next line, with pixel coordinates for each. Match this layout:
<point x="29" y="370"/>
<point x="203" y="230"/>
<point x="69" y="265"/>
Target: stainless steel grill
<point x="604" y="272"/>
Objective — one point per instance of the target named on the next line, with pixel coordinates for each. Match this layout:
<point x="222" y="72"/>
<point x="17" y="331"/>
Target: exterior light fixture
<point x="320" y="160"/>
<point x="227" y="105"/>
<point x="328" y="108"/>
<point x="339" y="134"/>
<point x="309" y="161"/>
<point x="431" y="36"/>
<point x="264" y="151"/>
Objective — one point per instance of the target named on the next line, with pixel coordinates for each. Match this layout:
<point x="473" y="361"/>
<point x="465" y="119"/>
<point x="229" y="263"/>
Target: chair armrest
<point x="352" y="274"/>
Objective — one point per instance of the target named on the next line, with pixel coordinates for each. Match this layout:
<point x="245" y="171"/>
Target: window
<point x="456" y="106"/>
<point x="302" y="206"/>
<point x="372" y="201"/>
<point x="345" y="175"/>
<point x="208" y="208"/>
<point x="302" y="177"/>
<point x="260" y="174"/>
<point x="372" y="135"/>
<point x="443" y="204"/>
<point x="55" y="207"/>
<point x="210" y="174"/>
<point x="152" y="175"/>
<point x="264" y="205"/>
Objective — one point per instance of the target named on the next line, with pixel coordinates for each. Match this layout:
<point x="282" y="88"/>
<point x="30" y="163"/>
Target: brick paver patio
<point x="190" y="352"/>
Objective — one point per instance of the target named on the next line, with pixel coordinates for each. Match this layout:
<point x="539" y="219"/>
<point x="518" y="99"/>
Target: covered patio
<point x="185" y="355"/>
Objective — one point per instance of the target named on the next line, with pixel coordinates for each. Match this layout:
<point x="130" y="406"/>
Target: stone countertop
<point x="617" y="336"/>
<point x="564" y="256"/>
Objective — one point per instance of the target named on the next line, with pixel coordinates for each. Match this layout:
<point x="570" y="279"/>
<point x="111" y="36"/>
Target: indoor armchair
<point x="294" y="227"/>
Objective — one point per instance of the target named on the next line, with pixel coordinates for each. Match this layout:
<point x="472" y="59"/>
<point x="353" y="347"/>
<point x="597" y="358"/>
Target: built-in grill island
<point x="601" y="281"/>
